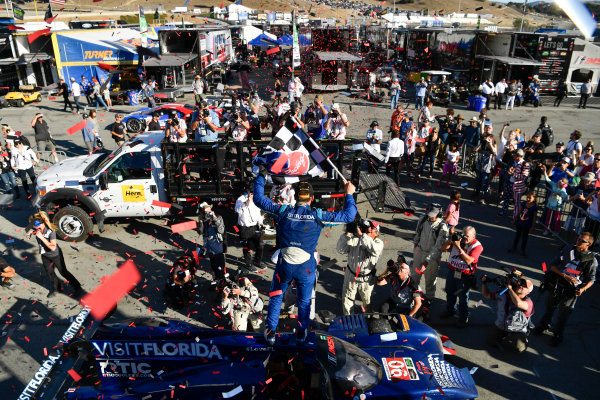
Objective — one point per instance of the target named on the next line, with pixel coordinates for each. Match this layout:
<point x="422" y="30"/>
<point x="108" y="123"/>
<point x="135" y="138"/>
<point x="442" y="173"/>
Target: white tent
<point x="239" y="9"/>
<point x="249" y="33"/>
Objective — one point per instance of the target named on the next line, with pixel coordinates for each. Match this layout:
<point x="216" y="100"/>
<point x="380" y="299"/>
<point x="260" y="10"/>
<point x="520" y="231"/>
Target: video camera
<point x="513" y="278"/>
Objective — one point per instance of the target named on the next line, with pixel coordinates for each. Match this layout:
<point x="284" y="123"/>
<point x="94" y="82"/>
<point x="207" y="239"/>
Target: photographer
<point x="514" y="310"/>
<point x="175" y="129"/>
<point x="337" y="123"/>
<point x="464" y="250"/>
<point x="363" y="249"/>
<point x="181" y="284"/>
<point x="204" y="124"/>
<point x="238" y="125"/>
<point x="212" y="229"/>
<point x="242" y="303"/>
<point x="250" y="221"/>
<point x="405" y="294"/>
<point x="52" y="256"/>
<point x="571" y="274"/>
<point x="431" y="233"/>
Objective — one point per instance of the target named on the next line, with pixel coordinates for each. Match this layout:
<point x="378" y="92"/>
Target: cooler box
<point x="476" y="103"/>
<point x="132" y="96"/>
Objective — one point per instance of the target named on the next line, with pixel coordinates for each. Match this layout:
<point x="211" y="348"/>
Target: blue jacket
<point x="300" y="226"/>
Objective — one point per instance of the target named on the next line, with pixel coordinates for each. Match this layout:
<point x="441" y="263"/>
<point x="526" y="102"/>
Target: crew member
<point x="205" y="123"/>
<point x="514" y="310"/>
<point x="431" y="234"/>
<point x="364" y="247"/>
<point x="405" y="293"/>
<point x="298" y="230"/>
<point x="212" y="229"/>
<point x="250" y="221"/>
<point x="462" y="264"/>
<point x="571" y="274"/>
<point x="242" y="303"/>
<point x="154" y="124"/>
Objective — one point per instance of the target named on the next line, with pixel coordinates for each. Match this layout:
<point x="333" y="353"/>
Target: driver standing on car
<point x="298" y="230"/>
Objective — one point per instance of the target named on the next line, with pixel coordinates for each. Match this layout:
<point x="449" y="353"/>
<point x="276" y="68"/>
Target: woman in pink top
<point x="453" y="211"/>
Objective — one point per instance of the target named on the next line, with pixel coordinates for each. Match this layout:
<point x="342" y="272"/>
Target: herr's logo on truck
<point x="133" y="193"/>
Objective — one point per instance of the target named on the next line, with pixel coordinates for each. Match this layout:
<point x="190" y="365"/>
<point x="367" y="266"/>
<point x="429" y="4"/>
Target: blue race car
<point x="359" y="357"/>
<point x="138" y="121"/>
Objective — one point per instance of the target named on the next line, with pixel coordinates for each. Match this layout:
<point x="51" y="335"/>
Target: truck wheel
<point x="72" y="223"/>
<point x="20" y="103"/>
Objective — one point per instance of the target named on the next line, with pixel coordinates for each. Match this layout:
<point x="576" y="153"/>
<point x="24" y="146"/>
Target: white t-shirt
<point x="76" y="89"/>
<point x="587" y="159"/>
<point x="573" y="146"/>
<point x="337" y="129"/>
<point x="452" y="156"/>
<point x="239" y="133"/>
<point x="375" y="135"/>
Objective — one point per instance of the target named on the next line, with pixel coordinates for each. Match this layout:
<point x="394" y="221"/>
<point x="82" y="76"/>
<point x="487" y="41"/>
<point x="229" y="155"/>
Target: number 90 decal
<point x="400" y="368"/>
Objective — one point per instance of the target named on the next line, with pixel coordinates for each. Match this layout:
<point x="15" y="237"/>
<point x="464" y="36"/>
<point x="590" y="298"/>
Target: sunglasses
<point x="596" y="159"/>
<point x="580" y="240"/>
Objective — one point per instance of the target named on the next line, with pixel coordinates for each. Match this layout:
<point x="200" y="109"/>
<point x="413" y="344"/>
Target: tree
<point x="526" y="25"/>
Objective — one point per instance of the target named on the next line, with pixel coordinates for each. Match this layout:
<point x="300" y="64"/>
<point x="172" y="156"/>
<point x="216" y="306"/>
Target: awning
<point x="512" y="60"/>
<point x="336" y="56"/>
<point x="170" y="60"/>
<point x="32" y="57"/>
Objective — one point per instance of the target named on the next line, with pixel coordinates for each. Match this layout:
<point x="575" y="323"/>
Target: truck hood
<point x="68" y="172"/>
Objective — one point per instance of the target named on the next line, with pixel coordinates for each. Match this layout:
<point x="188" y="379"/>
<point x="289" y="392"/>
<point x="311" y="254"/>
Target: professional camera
<point x="334" y="114"/>
<point x="310" y="116"/>
<point x="393" y="267"/>
<point x="174" y="122"/>
<point x="513" y="277"/>
<point x="206" y="113"/>
<point x="226" y="285"/>
<point x="353" y="226"/>
<point x="458" y="237"/>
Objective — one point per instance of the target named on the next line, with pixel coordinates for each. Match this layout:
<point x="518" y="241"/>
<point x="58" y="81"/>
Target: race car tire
<point x="134" y="125"/>
<point x="73" y="224"/>
<point x="20" y="103"/>
<point x="38" y="98"/>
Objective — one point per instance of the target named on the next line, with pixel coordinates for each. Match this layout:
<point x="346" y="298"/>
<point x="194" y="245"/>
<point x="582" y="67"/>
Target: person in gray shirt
<point x="586" y="92"/>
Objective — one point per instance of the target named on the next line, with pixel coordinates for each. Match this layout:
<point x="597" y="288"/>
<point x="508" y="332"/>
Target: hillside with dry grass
<point x="88" y="9"/>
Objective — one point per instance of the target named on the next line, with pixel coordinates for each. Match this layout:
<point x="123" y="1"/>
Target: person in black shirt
<point x="63" y="89"/>
<point x="405" y="294"/>
<point x="117" y="130"/>
<point x="534" y="146"/>
<point x="432" y="145"/>
<point x="154" y="125"/>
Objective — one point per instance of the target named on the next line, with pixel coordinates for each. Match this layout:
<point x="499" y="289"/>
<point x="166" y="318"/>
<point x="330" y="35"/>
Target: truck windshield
<point x="101" y="163"/>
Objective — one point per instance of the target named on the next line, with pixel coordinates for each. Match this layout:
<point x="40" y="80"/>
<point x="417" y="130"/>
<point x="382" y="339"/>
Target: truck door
<point x="130" y="187"/>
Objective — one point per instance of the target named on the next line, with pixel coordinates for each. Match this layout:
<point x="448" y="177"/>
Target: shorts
<point x="43" y="145"/>
<point x="89" y="145"/>
<point x="449" y="168"/>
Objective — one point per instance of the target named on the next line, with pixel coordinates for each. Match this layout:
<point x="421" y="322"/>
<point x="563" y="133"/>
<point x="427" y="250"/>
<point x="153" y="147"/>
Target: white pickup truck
<point x="145" y="177"/>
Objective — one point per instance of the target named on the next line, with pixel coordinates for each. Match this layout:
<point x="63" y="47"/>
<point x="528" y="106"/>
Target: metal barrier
<point x="46" y="160"/>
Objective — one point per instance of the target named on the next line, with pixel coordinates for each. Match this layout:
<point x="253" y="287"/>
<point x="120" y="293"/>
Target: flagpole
<point x="36" y="13"/>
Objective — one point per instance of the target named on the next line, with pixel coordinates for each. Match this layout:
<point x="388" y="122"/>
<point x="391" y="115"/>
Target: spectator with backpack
<point x="546" y="131"/>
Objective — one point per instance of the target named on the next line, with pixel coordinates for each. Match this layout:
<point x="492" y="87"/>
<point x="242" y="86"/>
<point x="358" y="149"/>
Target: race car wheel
<point x="20" y="103"/>
<point x="38" y="98"/>
<point x="134" y="125"/>
<point x="72" y="223"/>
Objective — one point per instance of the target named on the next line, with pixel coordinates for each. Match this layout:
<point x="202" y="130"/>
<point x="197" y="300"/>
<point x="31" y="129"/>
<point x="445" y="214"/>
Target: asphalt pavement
<point x="31" y="323"/>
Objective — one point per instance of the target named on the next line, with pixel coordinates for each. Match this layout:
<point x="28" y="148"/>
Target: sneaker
<point x="8" y="285"/>
<point x="539" y="330"/>
<point x="301" y="335"/>
<point x="250" y="268"/>
<point x="463" y="323"/>
<point x="270" y="337"/>
<point x="52" y="294"/>
<point x="260" y="266"/>
<point x="447" y="314"/>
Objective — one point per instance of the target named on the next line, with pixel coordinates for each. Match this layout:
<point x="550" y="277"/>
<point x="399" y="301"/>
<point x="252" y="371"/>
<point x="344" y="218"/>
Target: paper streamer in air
<point x="106" y="296"/>
<point x="580" y="15"/>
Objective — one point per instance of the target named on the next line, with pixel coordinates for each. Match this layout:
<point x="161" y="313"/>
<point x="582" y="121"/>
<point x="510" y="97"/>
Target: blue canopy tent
<point x="288" y="40"/>
<point x="263" y="40"/>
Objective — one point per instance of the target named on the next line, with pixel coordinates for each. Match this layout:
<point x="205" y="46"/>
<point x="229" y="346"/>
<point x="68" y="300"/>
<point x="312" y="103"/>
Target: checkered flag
<point x="292" y="156"/>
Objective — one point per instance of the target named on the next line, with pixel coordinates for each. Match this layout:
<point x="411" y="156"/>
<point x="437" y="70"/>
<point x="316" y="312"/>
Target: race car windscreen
<point x="350" y="369"/>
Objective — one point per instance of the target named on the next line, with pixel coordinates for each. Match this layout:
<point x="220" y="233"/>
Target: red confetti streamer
<point x="161" y="204"/>
<point x="106" y="296"/>
<point x="184" y="226"/>
<point x="77" y="127"/>
<point x="76" y="377"/>
<point x="544" y="268"/>
<point x="573" y="271"/>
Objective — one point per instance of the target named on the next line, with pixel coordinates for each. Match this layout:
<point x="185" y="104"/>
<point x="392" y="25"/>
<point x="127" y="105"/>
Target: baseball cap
<point x="204" y="205"/>
<point x="560" y="143"/>
<point x="371" y="224"/>
<point x="72" y="79"/>
<point x="374" y="123"/>
<point x="537" y="134"/>
<point x="434" y="210"/>
<point x="335" y="106"/>
<point x="305" y="191"/>
<point x="589" y="176"/>
<point x="566" y="160"/>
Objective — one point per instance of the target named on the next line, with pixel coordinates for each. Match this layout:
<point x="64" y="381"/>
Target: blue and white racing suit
<point x="298" y="231"/>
